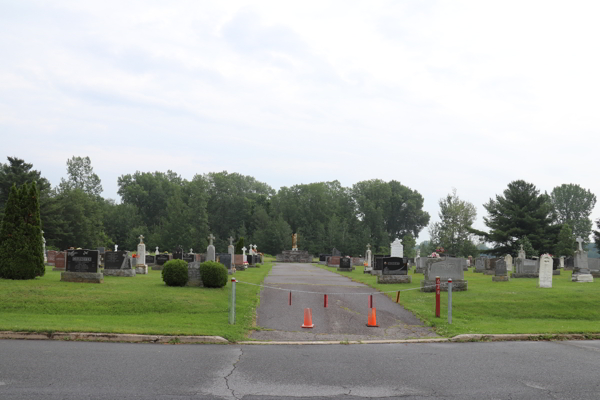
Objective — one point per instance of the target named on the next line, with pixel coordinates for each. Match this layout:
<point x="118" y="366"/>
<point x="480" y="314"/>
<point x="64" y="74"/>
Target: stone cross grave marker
<point x="245" y="259"/>
<point x="210" y="250"/>
<point x="579" y="240"/>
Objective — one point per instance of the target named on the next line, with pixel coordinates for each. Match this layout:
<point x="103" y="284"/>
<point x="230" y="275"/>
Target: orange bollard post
<point x="308" y="318"/>
<point x="372" y="318"/>
<point x="398" y="297"/>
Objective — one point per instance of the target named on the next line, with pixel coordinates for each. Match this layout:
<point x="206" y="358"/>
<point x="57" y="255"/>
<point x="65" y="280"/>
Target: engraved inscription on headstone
<point x="82" y="261"/>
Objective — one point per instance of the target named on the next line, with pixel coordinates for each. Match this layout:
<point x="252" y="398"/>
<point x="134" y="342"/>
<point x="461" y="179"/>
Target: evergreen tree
<point x="21" y="255"/>
<point x="566" y="241"/>
<point x="527" y="247"/>
<point x="239" y="245"/>
<point x="520" y="211"/>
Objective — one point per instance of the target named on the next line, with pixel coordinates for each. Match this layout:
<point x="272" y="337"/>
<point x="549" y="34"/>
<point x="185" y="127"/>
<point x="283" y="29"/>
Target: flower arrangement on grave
<point x="440" y="250"/>
<point x="434" y="255"/>
<point x="134" y="255"/>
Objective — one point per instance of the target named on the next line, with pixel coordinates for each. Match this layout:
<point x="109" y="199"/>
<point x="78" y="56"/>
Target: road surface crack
<point x="231" y="373"/>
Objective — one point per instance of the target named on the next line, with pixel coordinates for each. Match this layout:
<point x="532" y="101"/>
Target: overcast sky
<point x="435" y="94"/>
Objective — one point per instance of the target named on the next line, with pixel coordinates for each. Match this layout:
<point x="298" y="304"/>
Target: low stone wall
<point x="82" y="277"/>
<point x="394" y="279"/>
<point x="457" y="286"/>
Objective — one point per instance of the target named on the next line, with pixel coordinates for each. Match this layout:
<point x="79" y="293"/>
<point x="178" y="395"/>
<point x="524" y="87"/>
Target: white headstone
<point x="250" y="251"/>
<point x="156" y="251"/>
<point x="255" y="249"/>
<point x="44" y="250"/>
<point x="368" y="256"/>
<point x="231" y="250"/>
<point x="545" y="279"/>
<point x="397" y="250"/>
<point x="522" y="253"/>
<point x="116" y="247"/>
<point x="562" y="261"/>
<point x="210" y="250"/>
<point x="509" y="262"/>
<point x="244" y="254"/>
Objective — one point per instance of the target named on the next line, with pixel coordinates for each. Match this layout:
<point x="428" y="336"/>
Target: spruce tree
<point x="520" y="211"/>
<point x="33" y="230"/>
<point x="239" y="245"/>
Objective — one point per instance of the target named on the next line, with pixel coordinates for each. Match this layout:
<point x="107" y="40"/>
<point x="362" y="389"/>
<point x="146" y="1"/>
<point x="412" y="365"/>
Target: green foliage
<point x="175" y="273"/>
<point x="213" y="274"/>
<point x="566" y="242"/>
<point x="573" y="206"/>
<point x="520" y="211"/>
<point x="83" y="218"/>
<point x="81" y="176"/>
<point x="527" y="246"/>
<point x="239" y="246"/>
<point x="409" y="243"/>
<point x="21" y="253"/>
<point x="453" y="232"/>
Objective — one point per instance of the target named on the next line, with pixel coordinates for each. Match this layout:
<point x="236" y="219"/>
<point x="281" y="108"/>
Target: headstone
<point x="250" y="250"/>
<point x="118" y="263"/>
<point x="522" y="253"/>
<point x="471" y="261"/>
<point x="581" y="272"/>
<point x="178" y="253"/>
<point x="82" y="266"/>
<point x="594" y="267"/>
<point x="446" y="268"/>
<point x="52" y="257"/>
<point x="245" y="257"/>
<point x="395" y="270"/>
<point x="525" y="268"/>
<point x="555" y="266"/>
<point x="501" y="271"/>
<point x="210" y="250"/>
<point x="60" y="261"/>
<point x="150" y="260"/>
<point x="397" y="249"/>
<point x="545" y="273"/>
<point x="335" y="252"/>
<point x="562" y="261"/>
<point x="480" y="264"/>
<point x="421" y="265"/>
<point x="188" y="257"/>
<point x="569" y="263"/>
<point x="194" y="278"/>
<point x="238" y="260"/>
<point x="116" y="247"/>
<point x="368" y="256"/>
<point x="345" y="264"/>
<point x="490" y="266"/>
<point x="509" y="262"/>
<point x="160" y="260"/>
<point x="156" y="251"/>
<point x="334" y="261"/>
<point x="141" y="267"/>
<point x="225" y="259"/>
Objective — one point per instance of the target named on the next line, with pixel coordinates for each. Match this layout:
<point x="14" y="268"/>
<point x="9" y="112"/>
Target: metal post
<point x="449" y="301"/>
<point x="232" y="303"/>
<point x="437" y="296"/>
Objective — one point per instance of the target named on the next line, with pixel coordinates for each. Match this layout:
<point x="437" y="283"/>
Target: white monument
<point x="522" y="253"/>
<point x="545" y="276"/>
<point x="397" y="250"/>
<point x="156" y="251"/>
<point x="116" y="247"/>
<point x="368" y="256"/>
<point x="210" y="250"/>
<point x="509" y="262"/>
<point x="140" y="265"/>
<point x="562" y="261"/>
<point x="581" y="272"/>
<point x="244" y="259"/>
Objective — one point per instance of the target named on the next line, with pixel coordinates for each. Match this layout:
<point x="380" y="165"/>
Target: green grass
<point x="517" y="306"/>
<point x="142" y="304"/>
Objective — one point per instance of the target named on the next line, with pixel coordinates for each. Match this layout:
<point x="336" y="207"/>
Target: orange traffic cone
<point x="372" y="318"/>
<point x="308" y="318"/>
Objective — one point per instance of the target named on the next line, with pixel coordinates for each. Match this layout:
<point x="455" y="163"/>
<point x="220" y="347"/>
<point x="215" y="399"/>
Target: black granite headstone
<point x="379" y="262"/>
<point x="161" y="259"/>
<point x="345" y="262"/>
<point x="178" y="253"/>
<point x="323" y="257"/>
<point x="82" y="261"/>
<point x="225" y="259"/>
<point x="115" y="259"/>
<point x="189" y="257"/>
<point x="394" y="266"/>
<point x="149" y="259"/>
<point x="555" y="264"/>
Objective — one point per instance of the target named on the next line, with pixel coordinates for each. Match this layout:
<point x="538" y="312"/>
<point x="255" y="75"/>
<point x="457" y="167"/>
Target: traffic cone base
<point x="372" y="318"/>
<point x="308" y="318"/>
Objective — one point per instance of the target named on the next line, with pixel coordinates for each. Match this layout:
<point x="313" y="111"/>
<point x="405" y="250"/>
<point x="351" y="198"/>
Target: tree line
<point x="171" y="211"/>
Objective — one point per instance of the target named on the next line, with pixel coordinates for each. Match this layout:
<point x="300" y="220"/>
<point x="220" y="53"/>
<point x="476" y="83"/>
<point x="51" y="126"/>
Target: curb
<point x="112" y="337"/>
<point x="317" y="342"/>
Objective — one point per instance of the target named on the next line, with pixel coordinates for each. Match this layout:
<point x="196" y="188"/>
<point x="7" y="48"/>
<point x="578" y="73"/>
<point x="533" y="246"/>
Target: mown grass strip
<point x="142" y="305"/>
<point x="517" y="306"/>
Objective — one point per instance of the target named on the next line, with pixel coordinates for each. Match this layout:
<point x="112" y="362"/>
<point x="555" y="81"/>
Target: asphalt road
<point x="346" y="316"/>
<point x="55" y="370"/>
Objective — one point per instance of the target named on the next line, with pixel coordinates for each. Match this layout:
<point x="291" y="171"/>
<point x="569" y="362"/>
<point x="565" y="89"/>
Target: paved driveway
<point x="344" y="319"/>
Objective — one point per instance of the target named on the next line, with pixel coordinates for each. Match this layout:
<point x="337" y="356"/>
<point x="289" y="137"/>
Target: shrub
<point x="175" y="273"/>
<point x="213" y="274"/>
<point x="258" y="265"/>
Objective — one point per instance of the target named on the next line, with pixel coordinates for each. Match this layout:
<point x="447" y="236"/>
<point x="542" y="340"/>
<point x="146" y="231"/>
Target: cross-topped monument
<point x="580" y="241"/>
<point x="230" y="241"/>
<point x="141" y="238"/>
<point x="211" y="238"/>
<point x="368" y="247"/>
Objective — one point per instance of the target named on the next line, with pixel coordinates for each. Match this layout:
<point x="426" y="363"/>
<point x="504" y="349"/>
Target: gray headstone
<point x="501" y="268"/>
<point x="444" y="267"/>
<point x="210" y="253"/>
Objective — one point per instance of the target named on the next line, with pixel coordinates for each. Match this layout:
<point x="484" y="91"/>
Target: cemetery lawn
<point x="141" y="305"/>
<point x="487" y="307"/>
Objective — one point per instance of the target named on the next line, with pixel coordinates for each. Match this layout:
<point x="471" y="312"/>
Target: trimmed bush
<point x="175" y="273"/>
<point x="213" y="274"/>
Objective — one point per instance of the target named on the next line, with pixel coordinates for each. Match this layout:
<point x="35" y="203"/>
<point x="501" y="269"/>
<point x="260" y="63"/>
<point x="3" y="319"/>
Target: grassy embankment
<point x="517" y="306"/>
<point x="142" y="304"/>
